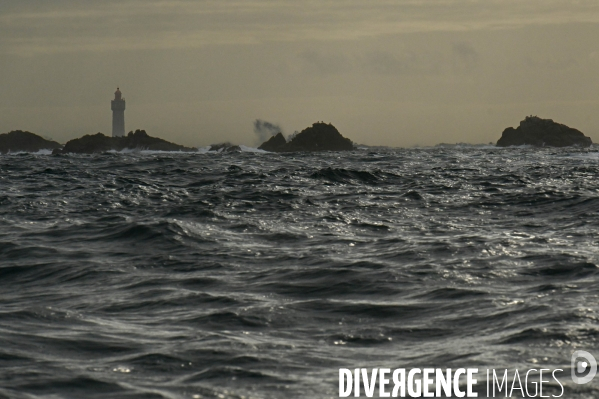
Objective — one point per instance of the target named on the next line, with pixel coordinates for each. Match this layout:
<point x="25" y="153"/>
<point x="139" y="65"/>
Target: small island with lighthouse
<point x="138" y="140"/>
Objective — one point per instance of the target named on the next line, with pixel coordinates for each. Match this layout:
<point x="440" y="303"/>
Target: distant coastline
<point x="532" y="131"/>
<point x="318" y="137"/>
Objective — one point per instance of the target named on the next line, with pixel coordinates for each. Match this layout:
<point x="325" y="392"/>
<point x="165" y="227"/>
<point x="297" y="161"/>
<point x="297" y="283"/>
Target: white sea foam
<point x="251" y="149"/>
<point x="40" y="152"/>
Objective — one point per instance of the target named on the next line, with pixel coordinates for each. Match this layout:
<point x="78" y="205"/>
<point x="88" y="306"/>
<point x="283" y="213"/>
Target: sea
<point x="259" y="275"/>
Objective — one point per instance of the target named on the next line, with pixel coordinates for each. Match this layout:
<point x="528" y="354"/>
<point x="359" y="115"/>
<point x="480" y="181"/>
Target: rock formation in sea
<point x="224" y="147"/>
<point x="543" y="133"/>
<point x="20" y="141"/>
<point x="319" y="137"/>
<point x="274" y="143"/>
<point x="93" y="143"/>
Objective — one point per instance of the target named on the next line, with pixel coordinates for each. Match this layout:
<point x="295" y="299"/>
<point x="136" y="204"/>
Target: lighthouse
<point x="118" y="114"/>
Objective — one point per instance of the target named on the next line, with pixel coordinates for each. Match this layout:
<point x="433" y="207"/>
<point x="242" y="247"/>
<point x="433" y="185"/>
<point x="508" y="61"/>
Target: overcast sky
<point x="397" y="73"/>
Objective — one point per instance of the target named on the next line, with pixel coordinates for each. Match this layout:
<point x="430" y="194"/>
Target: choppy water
<point x="259" y="275"/>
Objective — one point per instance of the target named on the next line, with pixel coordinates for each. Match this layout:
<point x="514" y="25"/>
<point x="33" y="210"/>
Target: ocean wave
<point x="150" y="274"/>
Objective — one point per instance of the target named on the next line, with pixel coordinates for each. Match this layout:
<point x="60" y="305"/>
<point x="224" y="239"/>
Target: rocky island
<point x="543" y="133"/>
<point x="20" y="141"/>
<point x="319" y="137"/>
<point x="140" y="140"/>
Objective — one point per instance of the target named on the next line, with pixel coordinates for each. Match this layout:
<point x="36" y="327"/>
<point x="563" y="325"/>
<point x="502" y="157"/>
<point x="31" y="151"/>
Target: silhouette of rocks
<point x="224" y="147"/>
<point x="94" y="143"/>
<point x="319" y="137"/>
<point x="20" y="141"/>
<point x="274" y="143"/>
<point x="543" y="133"/>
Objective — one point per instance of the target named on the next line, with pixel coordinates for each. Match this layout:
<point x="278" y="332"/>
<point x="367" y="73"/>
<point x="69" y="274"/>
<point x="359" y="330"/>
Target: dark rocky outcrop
<point x="20" y="141"/>
<point x="274" y="143"/>
<point x="224" y="147"/>
<point x="319" y="137"/>
<point x="94" y="143"/>
<point x="542" y="133"/>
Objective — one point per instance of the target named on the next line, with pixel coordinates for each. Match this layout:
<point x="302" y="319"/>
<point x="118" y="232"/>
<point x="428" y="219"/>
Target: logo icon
<point x="580" y="366"/>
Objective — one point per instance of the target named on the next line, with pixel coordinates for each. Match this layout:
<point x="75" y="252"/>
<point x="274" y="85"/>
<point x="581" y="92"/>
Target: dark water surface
<point x="251" y="275"/>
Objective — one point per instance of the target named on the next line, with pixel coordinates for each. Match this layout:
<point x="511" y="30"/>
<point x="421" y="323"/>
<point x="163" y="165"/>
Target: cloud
<point x="38" y="26"/>
<point x="325" y="63"/>
<point x="465" y="51"/>
<point x="403" y="62"/>
<point x="465" y="56"/>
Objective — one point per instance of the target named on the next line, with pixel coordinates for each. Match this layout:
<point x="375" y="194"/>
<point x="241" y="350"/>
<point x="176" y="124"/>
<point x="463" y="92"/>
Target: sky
<point x="397" y="73"/>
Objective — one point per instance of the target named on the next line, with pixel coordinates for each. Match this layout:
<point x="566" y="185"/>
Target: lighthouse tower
<point x="118" y="114"/>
